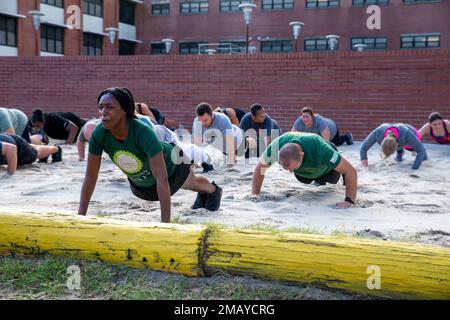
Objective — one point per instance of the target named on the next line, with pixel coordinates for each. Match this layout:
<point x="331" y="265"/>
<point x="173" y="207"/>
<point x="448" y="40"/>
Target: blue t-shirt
<point x="267" y="125"/>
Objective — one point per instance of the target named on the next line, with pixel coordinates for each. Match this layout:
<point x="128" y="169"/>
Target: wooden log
<point x="167" y="247"/>
<point x="406" y="270"/>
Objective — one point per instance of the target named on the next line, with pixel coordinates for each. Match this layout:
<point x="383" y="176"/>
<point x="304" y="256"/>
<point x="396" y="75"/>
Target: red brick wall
<point x="358" y="90"/>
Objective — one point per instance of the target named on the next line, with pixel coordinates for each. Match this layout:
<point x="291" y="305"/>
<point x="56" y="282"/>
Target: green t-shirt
<point x="320" y="157"/>
<point x="132" y="155"/>
<point x="13" y="118"/>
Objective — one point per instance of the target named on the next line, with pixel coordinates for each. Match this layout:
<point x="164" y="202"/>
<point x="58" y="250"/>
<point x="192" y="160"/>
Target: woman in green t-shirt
<point x="155" y="169"/>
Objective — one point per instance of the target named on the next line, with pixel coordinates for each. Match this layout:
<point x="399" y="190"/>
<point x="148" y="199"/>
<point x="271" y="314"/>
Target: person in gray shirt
<point x="212" y="126"/>
<point x="315" y="123"/>
<point x="14" y="121"/>
<point x="395" y="137"/>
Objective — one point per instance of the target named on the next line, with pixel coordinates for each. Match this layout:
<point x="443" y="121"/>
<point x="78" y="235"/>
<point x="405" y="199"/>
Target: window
<point x="158" y="48"/>
<point x="126" y="48"/>
<point x="416" y="41"/>
<point x="8" y="31"/>
<point x="231" y="6"/>
<point x="191" y="47"/>
<point x="56" y="3"/>
<point x="269" y="5"/>
<point x="194" y="7"/>
<point x="226" y="47"/>
<point x="276" y="46"/>
<point x="373" y="43"/>
<point x="322" y="3"/>
<point x="419" y="1"/>
<point x="126" y="14"/>
<point x="92" y="44"/>
<point x="317" y="44"/>
<point x="357" y="3"/>
<point x="93" y="7"/>
<point x="52" y="39"/>
<point x="161" y="9"/>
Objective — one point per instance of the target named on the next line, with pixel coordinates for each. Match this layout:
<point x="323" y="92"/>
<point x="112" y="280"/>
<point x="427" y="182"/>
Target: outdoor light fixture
<point x="210" y="51"/>
<point x="360" y="47"/>
<point x="296" y="29"/>
<point x="332" y="41"/>
<point x="112" y="34"/>
<point x="168" y="43"/>
<point x="36" y="15"/>
<point x="247" y="8"/>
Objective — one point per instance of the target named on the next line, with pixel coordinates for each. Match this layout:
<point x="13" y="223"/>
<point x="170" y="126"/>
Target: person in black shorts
<point x="16" y="151"/>
<point x="234" y="114"/>
<point x="58" y="125"/>
<point x="158" y="116"/>
<point x="155" y="169"/>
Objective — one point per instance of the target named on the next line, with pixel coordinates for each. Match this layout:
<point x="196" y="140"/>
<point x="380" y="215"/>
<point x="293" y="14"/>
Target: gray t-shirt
<point x="319" y="124"/>
<point x="13" y="118"/>
<point x="222" y="126"/>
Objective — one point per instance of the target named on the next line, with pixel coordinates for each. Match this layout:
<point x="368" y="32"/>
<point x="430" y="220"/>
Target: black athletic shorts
<point x="26" y="154"/>
<point x="331" y="177"/>
<point x="176" y="181"/>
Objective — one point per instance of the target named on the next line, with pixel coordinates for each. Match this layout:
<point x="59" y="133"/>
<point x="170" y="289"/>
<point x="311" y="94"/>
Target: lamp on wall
<point x="296" y="29"/>
<point x="360" y="47"/>
<point x="36" y="16"/>
<point x="247" y="8"/>
<point x="168" y="43"/>
<point x="333" y="41"/>
<point x="112" y="31"/>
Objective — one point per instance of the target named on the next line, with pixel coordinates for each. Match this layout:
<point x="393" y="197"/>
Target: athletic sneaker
<point x="213" y="200"/>
<point x="319" y="183"/>
<point x="57" y="157"/>
<point x="350" y="139"/>
<point x="207" y="167"/>
<point x="199" y="201"/>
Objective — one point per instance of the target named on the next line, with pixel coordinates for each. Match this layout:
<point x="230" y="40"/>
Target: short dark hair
<point x="203" y="108"/>
<point x="125" y="99"/>
<point x="37" y="115"/>
<point x="255" y="108"/>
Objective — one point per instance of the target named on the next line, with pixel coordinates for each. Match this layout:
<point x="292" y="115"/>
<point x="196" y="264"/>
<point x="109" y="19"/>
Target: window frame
<point x="160" y="5"/>
<point x="190" y="3"/>
<point x="46" y="28"/>
<point x="97" y="4"/>
<point x="7" y="23"/>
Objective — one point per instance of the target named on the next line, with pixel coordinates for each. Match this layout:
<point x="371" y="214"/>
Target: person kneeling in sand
<point x="148" y="163"/>
<point x="310" y="158"/>
<point x="395" y="137"/>
<point x="16" y="151"/>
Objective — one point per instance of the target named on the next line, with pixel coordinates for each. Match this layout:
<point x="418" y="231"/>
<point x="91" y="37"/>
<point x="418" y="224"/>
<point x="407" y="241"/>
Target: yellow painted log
<point x="166" y="247"/>
<point x="406" y="270"/>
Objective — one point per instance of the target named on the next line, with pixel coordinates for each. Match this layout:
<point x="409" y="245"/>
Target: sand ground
<point x="394" y="202"/>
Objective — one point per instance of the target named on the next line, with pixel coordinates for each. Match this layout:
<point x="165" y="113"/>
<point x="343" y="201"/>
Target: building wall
<point x="358" y="90"/>
<point x="346" y="21"/>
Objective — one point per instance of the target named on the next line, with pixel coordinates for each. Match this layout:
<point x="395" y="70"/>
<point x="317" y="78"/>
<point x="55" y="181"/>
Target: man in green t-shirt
<point x="155" y="169"/>
<point x="310" y="158"/>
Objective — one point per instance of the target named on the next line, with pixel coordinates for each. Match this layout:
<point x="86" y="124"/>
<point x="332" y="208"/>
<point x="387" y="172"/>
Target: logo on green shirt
<point x="127" y="162"/>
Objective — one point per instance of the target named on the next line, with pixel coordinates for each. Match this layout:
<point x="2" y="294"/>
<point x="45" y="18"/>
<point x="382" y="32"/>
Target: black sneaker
<point x="199" y="201"/>
<point x="207" y="167"/>
<point x="213" y="200"/>
<point x="350" y="139"/>
<point x="319" y="183"/>
<point x="57" y="157"/>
